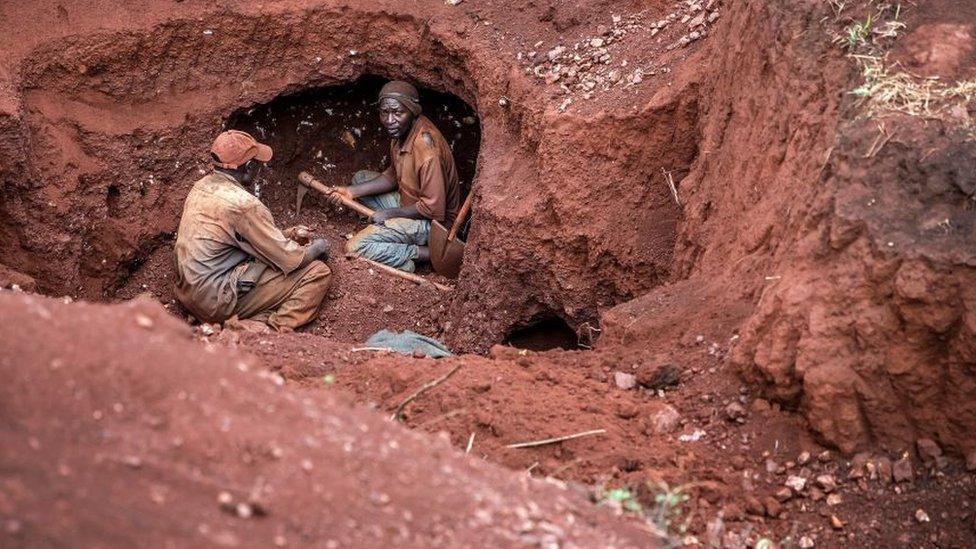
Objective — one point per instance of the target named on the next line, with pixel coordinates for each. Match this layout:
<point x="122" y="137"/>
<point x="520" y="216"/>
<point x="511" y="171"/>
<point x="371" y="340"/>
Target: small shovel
<point x="446" y="251"/>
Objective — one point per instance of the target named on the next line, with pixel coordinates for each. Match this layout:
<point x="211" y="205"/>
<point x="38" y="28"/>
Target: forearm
<point x="410" y="212"/>
<point x="382" y="184"/>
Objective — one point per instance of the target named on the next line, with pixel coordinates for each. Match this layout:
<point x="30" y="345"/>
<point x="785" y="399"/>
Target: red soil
<point x="811" y="282"/>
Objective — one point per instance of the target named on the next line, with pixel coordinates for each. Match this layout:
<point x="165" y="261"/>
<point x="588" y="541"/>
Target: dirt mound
<point x="119" y="429"/>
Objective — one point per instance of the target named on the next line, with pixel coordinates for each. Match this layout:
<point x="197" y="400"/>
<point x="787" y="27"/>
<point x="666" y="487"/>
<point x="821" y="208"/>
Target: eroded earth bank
<point x="736" y="236"/>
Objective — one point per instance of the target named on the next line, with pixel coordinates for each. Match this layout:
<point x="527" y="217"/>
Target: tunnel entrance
<point x="544" y="335"/>
<point x="333" y="132"/>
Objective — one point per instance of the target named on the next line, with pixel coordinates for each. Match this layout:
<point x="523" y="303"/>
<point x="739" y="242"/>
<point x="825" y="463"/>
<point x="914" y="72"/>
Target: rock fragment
<point x="665" y="420"/>
<point x="773" y="507"/>
<point x="902" y="471"/>
<point x="827" y="482"/>
<point x="796" y="483"/>
<point x="930" y="452"/>
<point x="624" y="380"/>
<point x="735" y="412"/>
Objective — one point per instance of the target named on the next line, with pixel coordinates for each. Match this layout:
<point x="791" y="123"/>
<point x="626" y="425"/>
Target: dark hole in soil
<point x="334" y="132"/>
<point x="112" y="200"/>
<point x="549" y="333"/>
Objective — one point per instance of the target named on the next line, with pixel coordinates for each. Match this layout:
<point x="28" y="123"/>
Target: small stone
<point x="624" y="380"/>
<point x="144" y="321"/>
<point x="806" y="542"/>
<point x="825" y="456"/>
<point x="225" y="500"/>
<point x="834" y="499"/>
<point x="796" y="483"/>
<point x="921" y="516"/>
<point x="803" y="458"/>
<point x="884" y="469"/>
<point x="929" y="451"/>
<point x="712" y="17"/>
<point x="783" y="494"/>
<point x="771" y="466"/>
<point x="734" y="411"/>
<point x="244" y="510"/>
<point x="902" y="471"/>
<point x="827" y="482"/>
<point x="627" y="410"/>
<point x="665" y="420"/>
<point x="760" y="406"/>
<point x="836" y="523"/>
<point x="754" y="506"/>
<point x="388" y="309"/>
<point x="597" y="42"/>
<point x="773" y="507"/>
<point x="554" y="53"/>
<point x="13" y="527"/>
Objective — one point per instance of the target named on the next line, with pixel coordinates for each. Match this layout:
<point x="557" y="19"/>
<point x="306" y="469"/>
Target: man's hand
<point x="338" y="194"/>
<point x="298" y="233"/>
<point x="380" y="216"/>
<point x="318" y="249"/>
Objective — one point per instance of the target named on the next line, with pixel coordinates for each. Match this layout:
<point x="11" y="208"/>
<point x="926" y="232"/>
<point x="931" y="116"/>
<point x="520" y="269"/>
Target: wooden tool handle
<point x="306" y="179"/>
<point x="415" y="278"/>
<point x="465" y="208"/>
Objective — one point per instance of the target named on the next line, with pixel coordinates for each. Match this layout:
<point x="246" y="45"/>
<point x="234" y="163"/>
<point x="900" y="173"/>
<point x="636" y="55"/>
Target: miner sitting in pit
<point x="231" y="259"/>
<point x="420" y="185"/>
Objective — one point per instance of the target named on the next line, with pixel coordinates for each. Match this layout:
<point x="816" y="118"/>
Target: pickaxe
<point x="306" y="181"/>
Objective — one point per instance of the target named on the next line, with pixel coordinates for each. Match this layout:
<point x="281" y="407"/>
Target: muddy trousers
<point x="396" y="241"/>
<point x="286" y="302"/>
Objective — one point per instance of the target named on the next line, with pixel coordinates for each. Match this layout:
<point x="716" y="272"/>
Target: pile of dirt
<point x="119" y="429"/>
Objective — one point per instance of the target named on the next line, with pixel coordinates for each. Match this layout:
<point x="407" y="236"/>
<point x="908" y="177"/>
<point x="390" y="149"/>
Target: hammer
<point x="306" y="181"/>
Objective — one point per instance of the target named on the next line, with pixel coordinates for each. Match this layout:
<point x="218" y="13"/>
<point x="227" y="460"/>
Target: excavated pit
<point x="112" y="158"/>
<point x="768" y="275"/>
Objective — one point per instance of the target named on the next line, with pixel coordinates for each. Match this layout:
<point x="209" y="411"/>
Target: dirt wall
<point x="114" y="125"/>
<point x="858" y="257"/>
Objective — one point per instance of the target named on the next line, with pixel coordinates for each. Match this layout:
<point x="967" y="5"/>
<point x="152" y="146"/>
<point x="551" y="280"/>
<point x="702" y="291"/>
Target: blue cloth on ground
<point x="408" y="342"/>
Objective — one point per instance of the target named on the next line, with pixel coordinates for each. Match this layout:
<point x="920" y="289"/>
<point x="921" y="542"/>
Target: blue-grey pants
<point x="393" y="243"/>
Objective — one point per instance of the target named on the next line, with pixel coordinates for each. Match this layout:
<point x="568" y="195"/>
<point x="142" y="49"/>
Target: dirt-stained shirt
<point x="223" y="227"/>
<point x="423" y="167"/>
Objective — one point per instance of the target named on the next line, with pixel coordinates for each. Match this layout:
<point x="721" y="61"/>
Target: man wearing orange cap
<point x="420" y="185"/>
<point x="231" y="260"/>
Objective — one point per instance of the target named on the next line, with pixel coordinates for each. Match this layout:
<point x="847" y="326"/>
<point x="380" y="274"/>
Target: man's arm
<point x="410" y="212"/>
<point x="266" y="242"/>
<point x="382" y="183"/>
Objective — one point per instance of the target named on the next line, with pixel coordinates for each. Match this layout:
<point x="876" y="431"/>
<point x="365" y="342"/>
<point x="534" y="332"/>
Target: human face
<point x="396" y="118"/>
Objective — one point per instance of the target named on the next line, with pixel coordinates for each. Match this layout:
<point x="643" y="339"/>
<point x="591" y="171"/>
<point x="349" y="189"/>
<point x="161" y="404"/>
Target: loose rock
<point x="902" y="471"/>
<point x="624" y="380"/>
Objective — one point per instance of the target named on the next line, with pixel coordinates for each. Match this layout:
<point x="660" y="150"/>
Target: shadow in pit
<point x="546" y="334"/>
<point x="335" y="131"/>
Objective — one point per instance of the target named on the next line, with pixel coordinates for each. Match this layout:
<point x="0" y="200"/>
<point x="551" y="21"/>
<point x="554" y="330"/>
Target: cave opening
<point x="549" y="333"/>
<point x="333" y="132"/>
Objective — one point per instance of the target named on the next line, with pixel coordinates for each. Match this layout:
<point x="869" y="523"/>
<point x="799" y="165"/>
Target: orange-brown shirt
<point x="423" y="167"/>
<point x="223" y="227"/>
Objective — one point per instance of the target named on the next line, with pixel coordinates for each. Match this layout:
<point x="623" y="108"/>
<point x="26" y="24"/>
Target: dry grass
<point x="885" y="89"/>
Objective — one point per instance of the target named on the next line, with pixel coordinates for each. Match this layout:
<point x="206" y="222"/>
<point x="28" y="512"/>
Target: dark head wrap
<point x="403" y="92"/>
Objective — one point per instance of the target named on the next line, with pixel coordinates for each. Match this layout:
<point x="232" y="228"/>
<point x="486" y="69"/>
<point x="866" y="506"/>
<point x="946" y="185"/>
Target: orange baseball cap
<point x="234" y="148"/>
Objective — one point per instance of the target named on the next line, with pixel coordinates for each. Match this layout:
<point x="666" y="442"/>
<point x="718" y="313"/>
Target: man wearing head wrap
<point x="231" y="259"/>
<point x="420" y="185"/>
